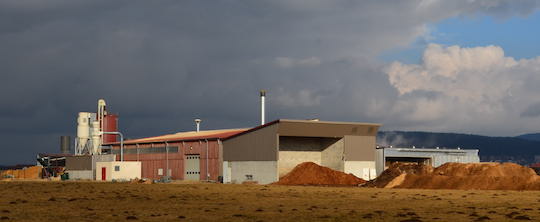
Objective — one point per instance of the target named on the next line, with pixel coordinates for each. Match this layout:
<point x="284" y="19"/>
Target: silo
<point x="65" y="144"/>
<point x="110" y="124"/>
<point x="83" y="131"/>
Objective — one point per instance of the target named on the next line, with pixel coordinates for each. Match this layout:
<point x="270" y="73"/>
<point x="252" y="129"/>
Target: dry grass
<point x="91" y="201"/>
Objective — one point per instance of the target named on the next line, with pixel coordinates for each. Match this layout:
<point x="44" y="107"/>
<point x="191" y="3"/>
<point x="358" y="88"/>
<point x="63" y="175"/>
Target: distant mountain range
<point x="530" y="136"/>
<point x="521" y="149"/>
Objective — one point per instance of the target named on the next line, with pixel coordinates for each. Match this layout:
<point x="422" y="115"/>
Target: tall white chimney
<point x="263" y="95"/>
<point x="198" y="123"/>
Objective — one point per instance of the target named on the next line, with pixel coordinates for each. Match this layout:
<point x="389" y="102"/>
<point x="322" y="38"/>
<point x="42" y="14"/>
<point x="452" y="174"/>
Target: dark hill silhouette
<point x="530" y="136"/>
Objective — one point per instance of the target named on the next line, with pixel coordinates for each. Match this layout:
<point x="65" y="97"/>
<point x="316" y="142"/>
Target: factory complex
<point x="261" y="154"/>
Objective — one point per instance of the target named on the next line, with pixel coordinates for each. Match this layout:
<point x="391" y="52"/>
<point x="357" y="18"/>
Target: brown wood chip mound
<point x="464" y="176"/>
<point x="310" y="173"/>
<point x="395" y="170"/>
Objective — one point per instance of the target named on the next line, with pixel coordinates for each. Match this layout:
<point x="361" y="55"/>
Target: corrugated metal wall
<point x="437" y="156"/>
<point x="152" y="162"/>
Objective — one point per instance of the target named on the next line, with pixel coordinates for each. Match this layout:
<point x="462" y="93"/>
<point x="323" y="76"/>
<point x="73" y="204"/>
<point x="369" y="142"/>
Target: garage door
<point x="192" y="167"/>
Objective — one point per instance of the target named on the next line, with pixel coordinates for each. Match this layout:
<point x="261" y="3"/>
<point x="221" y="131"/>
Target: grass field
<point x="93" y="201"/>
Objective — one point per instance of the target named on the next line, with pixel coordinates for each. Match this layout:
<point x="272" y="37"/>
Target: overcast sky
<point x="410" y="65"/>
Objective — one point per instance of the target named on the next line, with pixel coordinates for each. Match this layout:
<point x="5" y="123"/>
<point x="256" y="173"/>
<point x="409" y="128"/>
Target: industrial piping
<point x="167" y="156"/>
<point x="198" y="123"/>
<point x="121" y="143"/>
<point x="263" y="95"/>
<point x="207" y="170"/>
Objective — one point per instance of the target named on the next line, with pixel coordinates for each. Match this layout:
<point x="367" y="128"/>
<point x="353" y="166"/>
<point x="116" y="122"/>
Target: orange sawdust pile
<point x="465" y="176"/>
<point x="310" y="173"/>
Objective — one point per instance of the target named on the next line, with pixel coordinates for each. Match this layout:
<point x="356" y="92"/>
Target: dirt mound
<point x="397" y="169"/>
<point x="310" y="173"/>
<point x="484" y="176"/>
<point x="484" y="169"/>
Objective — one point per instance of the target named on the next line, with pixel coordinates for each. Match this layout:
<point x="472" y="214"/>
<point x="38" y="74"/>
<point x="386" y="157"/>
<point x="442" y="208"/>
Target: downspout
<point x="167" y="157"/>
<point x="137" y="151"/>
<point x="121" y="148"/>
<point x="207" y="157"/>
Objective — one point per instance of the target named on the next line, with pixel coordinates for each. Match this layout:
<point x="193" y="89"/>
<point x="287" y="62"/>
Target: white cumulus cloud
<point x="465" y="88"/>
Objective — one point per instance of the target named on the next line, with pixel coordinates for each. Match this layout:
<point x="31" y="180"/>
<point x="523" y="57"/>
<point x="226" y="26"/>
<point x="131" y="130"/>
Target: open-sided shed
<point x="267" y="152"/>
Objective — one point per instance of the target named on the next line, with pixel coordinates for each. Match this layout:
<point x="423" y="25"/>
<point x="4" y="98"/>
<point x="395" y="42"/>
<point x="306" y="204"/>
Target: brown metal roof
<point x="252" y="129"/>
<point x="226" y="134"/>
<point x="313" y="122"/>
<point x="185" y="136"/>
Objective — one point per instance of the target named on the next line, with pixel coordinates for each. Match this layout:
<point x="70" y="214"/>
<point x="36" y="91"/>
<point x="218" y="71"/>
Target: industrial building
<point x="89" y="161"/>
<point x="84" y="167"/>
<point x="267" y="152"/>
<point x="261" y="154"/>
<point x="115" y="170"/>
<point x="428" y="156"/>
<point x="181" y="156"/>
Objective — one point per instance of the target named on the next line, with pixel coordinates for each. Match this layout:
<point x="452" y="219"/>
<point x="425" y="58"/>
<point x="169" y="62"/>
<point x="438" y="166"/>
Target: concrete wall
<point x="80" y="174"/>
<point x="326" y="152"/>
<point x="226" y="172"/>
<point x="295" y="150"/>
<point x="101" y="158"/>
<point x="363" y="169"/>
<point x="379" y="161"/>
<point x="289" y="159"/>
<point x="77" y="164"/>
<point x="332" y="156"/>
<point x="264" y="172"/>
<point x="127" y="170"/>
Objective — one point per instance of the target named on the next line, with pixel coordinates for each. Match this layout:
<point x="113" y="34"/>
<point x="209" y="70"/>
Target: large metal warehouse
<point x="428" y="156"/>
<point x="180" y="156"/>
<point x="265" y="153"/>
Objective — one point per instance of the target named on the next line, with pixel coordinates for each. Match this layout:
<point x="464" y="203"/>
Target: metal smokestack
<point x="198" y="123"/>
<point x="65" y="144"/>
<point x="263" y="95"/>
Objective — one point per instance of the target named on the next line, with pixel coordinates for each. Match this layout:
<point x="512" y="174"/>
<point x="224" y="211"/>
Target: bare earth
<point x="93" y="201"/>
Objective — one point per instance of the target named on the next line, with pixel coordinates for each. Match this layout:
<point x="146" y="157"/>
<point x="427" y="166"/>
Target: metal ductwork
<point x="263" y="95"/>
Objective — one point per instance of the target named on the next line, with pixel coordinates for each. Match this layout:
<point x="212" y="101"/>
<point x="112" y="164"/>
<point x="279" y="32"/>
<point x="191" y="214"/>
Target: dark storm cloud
<point x="531" y="111"/>
<point x="159" y="64"/>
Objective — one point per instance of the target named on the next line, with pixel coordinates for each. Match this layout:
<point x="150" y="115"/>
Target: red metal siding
<point x="110" y="124"/>
<point x="151" y="162"/>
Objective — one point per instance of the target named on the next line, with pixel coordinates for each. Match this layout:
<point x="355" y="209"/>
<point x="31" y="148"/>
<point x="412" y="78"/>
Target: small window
<point x="249" y="177"/>
<point x="116" y="168"/>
